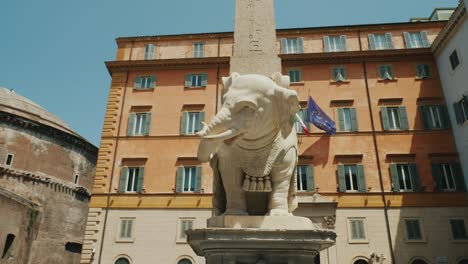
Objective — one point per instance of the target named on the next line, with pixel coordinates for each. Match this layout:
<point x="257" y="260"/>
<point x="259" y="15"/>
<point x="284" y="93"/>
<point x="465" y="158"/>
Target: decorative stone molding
<point x="329" y="222"/>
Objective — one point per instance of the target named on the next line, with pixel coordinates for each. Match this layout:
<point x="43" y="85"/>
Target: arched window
<point x="184" y="261"/>
<point x="361" y="261"/>
<point x="419" y="261"/>
<point x="122" y="261"/>
<point x="8" y="243"/>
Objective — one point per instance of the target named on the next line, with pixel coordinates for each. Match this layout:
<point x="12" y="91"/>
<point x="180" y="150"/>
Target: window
<point x="196" y="80"/>
<point x="126" y="229"/>
<point x="191" y="122"/>
<point x="386" y="72"/>
<point x="139" y="124"/>
<point x="73" y="247"/>
<point x="339" y="74"/>
<point x="292" y="45"/>
<point x="334" y="43"/>
<point x="448" y="177"/>
<point x="357" y="230"/>
<point x="132" y="179"/>
<point x="198" y="50"/>
<point x="10" y="238"/>
<point x="144" y="82"/>
<point x="184" y="225"/>
<point x="405" y="177"/>
<point x="423" y="71"/>
<point x="184" y="261"/>
<point x="380" y="41"/>
<point x="434" y="116"/>
<point x="394" y="118"/>
<point x="149" y="52"/>
<point x="305" y="178"/>
<point x="458" y="228"/>
<point x="122" y="261"/>
<point x="351" y="178"/>
<point x="75" y="179"/>
<point x="361" y="261"/>
<point x="295" y="75"/>
<point x="9" y="160"/>
<point x="415" y="40"/>
<point x="413" y="229"/>
<point x="347" y="119"/>
<point x="303" y="115"/>
<point x="454" y="60"/>
<point x="189" y="179"/>
<point x="461" y="110"/>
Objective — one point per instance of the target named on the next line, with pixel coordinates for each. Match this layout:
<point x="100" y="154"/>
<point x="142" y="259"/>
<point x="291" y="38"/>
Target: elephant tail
<point x="219" y="194"/>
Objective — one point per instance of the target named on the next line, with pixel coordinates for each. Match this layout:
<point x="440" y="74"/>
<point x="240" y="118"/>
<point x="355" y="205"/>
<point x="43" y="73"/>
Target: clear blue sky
<point x="53" y="51"/>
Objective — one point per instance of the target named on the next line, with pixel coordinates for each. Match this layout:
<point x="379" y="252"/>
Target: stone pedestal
<point x="259" y="240"/>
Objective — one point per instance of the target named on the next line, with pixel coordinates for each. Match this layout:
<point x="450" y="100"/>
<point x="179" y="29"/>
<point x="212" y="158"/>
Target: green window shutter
<point x="407" y="37"/>
<point x="403" y="118"/>
<point x="437" y="175"/>
<point x="354" y="120"/>
<point x="183" y="123"/>
<point x="284" y="44"/>
<point x="420" y="71"/>
<point x="425" y="116"/>
<point x="204" y="80"/>
<point x="188" y="80"/>
<point x="326" y="43"/>
<point x="341" y="119"/>
<point x="310" y="178"/>
<point x="425" y="40"/>
<point x="388" y="37"/>
<point x="137" y="83"/>
<point x="445" y="116"/>
<point x="335" y="74"/>
<point x="382" y="72"/>
<point x="147" y="127"/>
<point x="458" y="175"/>
<point x="427" y="70"/>
<point x="341" y="179"/>
<point x="153" y="81"/>
<point x="141" y="179"/>
<point x="458" y="112"/>
<point x="299" y="75"/>
<point x="415" y="177"/>
<point x="343" y="43"/>
<point x="180" y="179"/>
<point x="300" y="45"/>
<point x="394" y="176"/>
<point x="201" y="116"/>
<point x="385" y="120"/>
<point x="123" y="179"/>
<point x="131" y="124"/>
<point x="344" y="73"/>
<point x="361" y="178"/>
<point x="198" y="179"/>
<point x="371" y="41"/>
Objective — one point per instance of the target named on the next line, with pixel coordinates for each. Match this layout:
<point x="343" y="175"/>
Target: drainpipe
<point x="377" y="156"/>
<point x="217" y="76"/>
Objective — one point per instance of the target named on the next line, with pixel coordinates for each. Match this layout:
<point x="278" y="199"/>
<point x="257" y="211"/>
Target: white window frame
<point x="378" y="44"/>
<point x="199" y="49"/>
<point x="135" y="171"/>
<point x="146" y="82"/>
<point x="11" y="161"/>
<point x="435" y="115"/>
<point x="352" y="240"/>
<point x="426" y="74"/>
<point x="400" y="169"/>
<point x="192" y="122"/>
<point x="455" y="51"/>
<point x="126" y="220"/>
<point x="390" y="76"/>
<point x="463" y="240"/>
<point x="146" y="52"/>
<point x="421" y="230"/>
<point x="196" y="80"/>
<point x="301" y="172"/>
<point x="347" y="117"/>
<point x="446" y="175"/>
<point x="415" y="43"/>
<point x="292" y="46"/>
<point x="464" y="109"/>
<point x="343" y="74"/>
<point x="297" y="74"/>
<point x="394" y="118"/>
<point x="335" y="44"/>
<point x="349" y="176"/>
<point x="139" y="124"/>
<point x="191" y="177"/>
<point x="181" y="236"/>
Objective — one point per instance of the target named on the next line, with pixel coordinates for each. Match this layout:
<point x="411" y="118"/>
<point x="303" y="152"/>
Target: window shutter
<point x="420" y="71"/>
<point x="343" y="43"/>
<point x="403" y="118"/>
<point x="131" y="124"/>
<point x="344" y="73"/>
<point x="354" y="229"/>
<point x="300" y="45"/>
<point x="382" y="72"/>
<point x="335" y="74"/>
<point x="284" y="45"/>
<point x="204" y="80"/>
<point x="445" y="116"/>
<point x="385" y="121"/>
<point x="180" y="179"/>
<point x="147" y="127"/>
<point x="426" y="70"/>
<point x="371" y="41"/>
<point x="361" y="178"/>
<point x="341" y="119"/>
<point x="394" y="176"/>
<point x="188" y="80"/>
<point x="198" y="179"/>
<point x="183" y="123"/>
<point x="153" y="81"/>
<point x="425" y="116"/>
<point x="326" y="43"/>
<point x="141" y="179"/>
<point x="437" y="175"/>
<point x="123" y="179"/>
<point x="388" y="37"/>
<point x="137" y="83"/>
<point x="415" y="177"/>
<point x="299" y="75"/>
<point x="425" y="40"/>
<point x="458" y="112"/>
<point x="354" y="120"/>
<point x="458" y="175"/>
<point x="310" y="178"/>
<point x="201" y="117"/>
<point x="341" y="179"/>
<point x="407" y="40"/>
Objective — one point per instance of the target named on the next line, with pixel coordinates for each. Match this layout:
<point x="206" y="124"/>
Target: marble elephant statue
<point x="251" y="144"/>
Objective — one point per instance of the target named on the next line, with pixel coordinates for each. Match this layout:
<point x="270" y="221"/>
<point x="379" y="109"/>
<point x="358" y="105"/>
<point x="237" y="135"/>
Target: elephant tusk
<point x="202" y="132"/>
<point x="225" y="135"/>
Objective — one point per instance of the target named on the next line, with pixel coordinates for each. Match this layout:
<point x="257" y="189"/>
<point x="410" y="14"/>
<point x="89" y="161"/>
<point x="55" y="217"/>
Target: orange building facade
<point x="392" y="169"/>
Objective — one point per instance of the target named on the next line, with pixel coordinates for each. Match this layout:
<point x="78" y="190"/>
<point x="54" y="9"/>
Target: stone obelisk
<point x="255" y="50"/>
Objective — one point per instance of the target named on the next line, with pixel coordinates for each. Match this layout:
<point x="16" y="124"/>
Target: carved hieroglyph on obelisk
<point x="255" y="50"/>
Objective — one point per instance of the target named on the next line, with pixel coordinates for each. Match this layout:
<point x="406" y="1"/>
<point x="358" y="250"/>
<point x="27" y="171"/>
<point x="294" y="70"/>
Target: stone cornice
<point x="49" y="131"/>
<point x="452" y="24"/>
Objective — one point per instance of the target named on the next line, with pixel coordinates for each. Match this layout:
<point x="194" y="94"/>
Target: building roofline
<point x="449" y="28"/>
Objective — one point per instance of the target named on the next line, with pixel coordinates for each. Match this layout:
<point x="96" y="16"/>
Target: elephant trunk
<point x="218" y="124"/>
<point x="213" y="134"/>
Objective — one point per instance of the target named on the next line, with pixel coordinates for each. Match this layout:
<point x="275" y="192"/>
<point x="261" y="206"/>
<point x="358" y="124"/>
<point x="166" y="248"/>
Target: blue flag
<point x="316" y="116"/>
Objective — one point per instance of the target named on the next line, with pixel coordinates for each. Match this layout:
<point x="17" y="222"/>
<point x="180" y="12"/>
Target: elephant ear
<point x="281" y="80"/>
<point x="288" y="106"/>
<point x="227" y="82"/>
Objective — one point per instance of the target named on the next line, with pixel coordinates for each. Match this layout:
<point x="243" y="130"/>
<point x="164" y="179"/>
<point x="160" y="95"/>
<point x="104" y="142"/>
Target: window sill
<point x="339" y="82"/>
<point x="419" y="241"/>
<point x="143" y="89"/>
<point x="121" y="240"/>
<point x="423" y="78"/>
<point x="358" y="241"/>
<point x="195" y="88"/>
<point x="297" y="83"/>
<point x="387" y="80"/>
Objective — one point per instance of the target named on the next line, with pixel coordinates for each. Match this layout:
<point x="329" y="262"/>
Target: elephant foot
<point x="235" y="212"/>
<point x="279" y="212"/>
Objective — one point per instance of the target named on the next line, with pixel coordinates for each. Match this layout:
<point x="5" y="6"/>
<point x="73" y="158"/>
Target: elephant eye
<point x="246" y="106"/>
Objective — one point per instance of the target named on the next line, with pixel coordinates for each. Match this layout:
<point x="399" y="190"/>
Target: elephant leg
<point x="232" y="181"/>
<point x="280" y="181"/>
